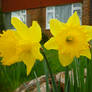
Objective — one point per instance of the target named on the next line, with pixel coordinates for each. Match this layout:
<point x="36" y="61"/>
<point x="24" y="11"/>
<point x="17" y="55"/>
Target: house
<point x="43" y="10"/>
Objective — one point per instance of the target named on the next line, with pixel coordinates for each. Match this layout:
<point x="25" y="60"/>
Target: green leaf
<point x="38" y="84"/>
<point x="47" y="77"/>
<point x="89" y="74"/>
<point x="67" y="80"/>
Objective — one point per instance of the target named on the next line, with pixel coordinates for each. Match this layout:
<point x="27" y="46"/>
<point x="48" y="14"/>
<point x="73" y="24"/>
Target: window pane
<point x="23" y="11"/>
<point x="20" y="14"/>
<point x="7" y="20"/>
<point x="62" y="13"/>
<point x="49" y="16"/>
<point x="77" y="5"/>
<point x="49" y="8"/>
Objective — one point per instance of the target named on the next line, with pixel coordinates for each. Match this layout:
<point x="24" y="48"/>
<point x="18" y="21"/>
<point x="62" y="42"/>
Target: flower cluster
<point x="23" y="44"/>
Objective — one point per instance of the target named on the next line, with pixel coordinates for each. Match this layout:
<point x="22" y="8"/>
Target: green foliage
<point x="77" y="82"/>
<point x="38" y="84"/>
<point x="13" y="76"/>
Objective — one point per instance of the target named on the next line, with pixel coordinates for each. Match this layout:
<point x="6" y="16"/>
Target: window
<point x="7" y="18"/>
<point x="20" y="14"/>
<point x="63" y="12"/>
<point x="50" y="14"/>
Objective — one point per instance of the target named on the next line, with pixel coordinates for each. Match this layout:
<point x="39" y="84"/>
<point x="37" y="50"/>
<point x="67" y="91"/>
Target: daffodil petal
<point x="8" y="48"/>
<point x="28" y="60"/>
<point x="21" y="28"/>
<point x="88" y="30"/>
<point x="74" y="20"/>
<point x="86" y="53"/>
<point x="19" y="25"/>
<point x="36" y="48"/>
<point x="10" y="60"/>
<point x="35" y="32"/>
<point x="39" y="56"/>
<point x="65" y="59"/>
<point x="51" y="44"/>
<point x="29" y="54"/>
<point x="29" y="65"/>
<point x="56" y="26"/>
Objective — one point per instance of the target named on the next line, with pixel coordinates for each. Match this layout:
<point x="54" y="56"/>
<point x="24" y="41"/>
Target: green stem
<point x="51" y="75"/>
<point x="67" y="80"/>
<point x="38" y="84"/>
<point x="89" y="74"/>
<point x="47" y="77"/>
<point x="75" y="75"/>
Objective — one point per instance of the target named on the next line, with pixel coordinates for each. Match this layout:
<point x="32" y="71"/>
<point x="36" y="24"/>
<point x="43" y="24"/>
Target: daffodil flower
<point x="21" y="45"/>
<point x="70" y="39"/>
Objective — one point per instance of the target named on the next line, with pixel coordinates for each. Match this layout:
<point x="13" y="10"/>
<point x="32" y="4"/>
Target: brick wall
<point x="39" y="15"/>
<point x="90" y="12"/>
<point x="0" y="4"/>
<point x="36" y="15"/>
<point x="86" y="12"/>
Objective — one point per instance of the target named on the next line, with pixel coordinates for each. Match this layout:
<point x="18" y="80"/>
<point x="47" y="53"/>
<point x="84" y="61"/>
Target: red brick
<point x="86" y="12"/>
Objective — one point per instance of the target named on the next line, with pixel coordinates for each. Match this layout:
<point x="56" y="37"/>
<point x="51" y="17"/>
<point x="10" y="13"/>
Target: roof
<point x="13" y="5"/>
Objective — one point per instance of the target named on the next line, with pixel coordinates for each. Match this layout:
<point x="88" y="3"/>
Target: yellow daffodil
<point x="8" y="50"/>
<point x="22" y="44"/>
<point x="70" y="39"/>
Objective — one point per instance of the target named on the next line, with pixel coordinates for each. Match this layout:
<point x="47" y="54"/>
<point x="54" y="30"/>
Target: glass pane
<point x="49" y="16"/>
<point x="49" y="8"/>
<point x="20" y="14"/>
<point x="23" y="11"/>
<point x="77" y="5"/>
<point x="63" y="12"/>
<point x="7" y="20"/>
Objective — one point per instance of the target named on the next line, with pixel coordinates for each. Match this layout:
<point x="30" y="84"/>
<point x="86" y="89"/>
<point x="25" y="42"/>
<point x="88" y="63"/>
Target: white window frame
<point x="53" y="14"/>
<point x="21" y="14"/>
